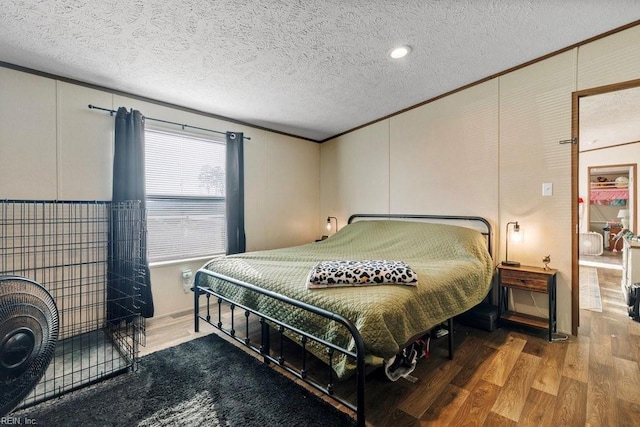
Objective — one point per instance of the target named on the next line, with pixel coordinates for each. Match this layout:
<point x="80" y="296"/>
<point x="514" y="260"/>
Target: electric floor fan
<point x="591" y="243"/>
<point x="28" y="335"/>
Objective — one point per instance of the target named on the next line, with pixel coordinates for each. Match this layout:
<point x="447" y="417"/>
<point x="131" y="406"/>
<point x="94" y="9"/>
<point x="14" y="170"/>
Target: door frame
<point x="575" y="151"/>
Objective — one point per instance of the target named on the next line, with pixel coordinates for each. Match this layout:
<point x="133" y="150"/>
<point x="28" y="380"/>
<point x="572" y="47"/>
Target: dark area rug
<point x="204" y="382"/>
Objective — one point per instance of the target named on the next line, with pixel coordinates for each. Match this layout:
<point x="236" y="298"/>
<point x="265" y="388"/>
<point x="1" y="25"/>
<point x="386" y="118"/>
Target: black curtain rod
<point x="112" y="112"/>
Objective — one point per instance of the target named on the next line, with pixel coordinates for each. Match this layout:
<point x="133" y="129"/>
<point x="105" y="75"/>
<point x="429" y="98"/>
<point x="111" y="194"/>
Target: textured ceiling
<point x="608" y="119"/>
<point x="309" y="68"/>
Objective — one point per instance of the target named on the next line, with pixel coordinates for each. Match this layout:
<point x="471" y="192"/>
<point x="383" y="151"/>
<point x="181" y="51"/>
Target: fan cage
<point x="28" y="316"/>
<point x="68" y="247"/>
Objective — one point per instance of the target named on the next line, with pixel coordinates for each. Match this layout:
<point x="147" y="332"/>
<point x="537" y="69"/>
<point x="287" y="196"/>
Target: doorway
<point x="607" y="215"/>
<point x="606" y="133"/>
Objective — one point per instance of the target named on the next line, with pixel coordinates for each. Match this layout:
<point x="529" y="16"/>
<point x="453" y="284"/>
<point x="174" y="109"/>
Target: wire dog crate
<point x="71" y="248"/>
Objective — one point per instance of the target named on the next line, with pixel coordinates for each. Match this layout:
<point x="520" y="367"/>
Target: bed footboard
<point x="283" y="329"/>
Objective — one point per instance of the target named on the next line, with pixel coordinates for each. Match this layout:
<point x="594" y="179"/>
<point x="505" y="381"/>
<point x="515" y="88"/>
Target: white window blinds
<point x="185" y="183"/>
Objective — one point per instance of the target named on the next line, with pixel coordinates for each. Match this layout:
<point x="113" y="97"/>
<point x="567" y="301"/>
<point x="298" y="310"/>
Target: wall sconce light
<point x="329" y="222"/>
<point x="515" y="236"/>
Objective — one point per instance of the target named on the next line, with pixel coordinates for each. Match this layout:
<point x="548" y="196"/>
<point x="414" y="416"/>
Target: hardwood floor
<point x="507" y="377"/>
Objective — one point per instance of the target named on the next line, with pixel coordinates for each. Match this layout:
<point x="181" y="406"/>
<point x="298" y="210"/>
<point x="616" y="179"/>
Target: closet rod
<point x="111" y="112"/>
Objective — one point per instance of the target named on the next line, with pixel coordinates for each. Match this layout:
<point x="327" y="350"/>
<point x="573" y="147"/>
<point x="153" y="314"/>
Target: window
<point x="185" y="183"/>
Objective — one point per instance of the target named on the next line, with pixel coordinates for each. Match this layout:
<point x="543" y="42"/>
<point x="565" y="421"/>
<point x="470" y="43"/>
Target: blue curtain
<point x="129" y="287"/>
<point x="236" y="241"/>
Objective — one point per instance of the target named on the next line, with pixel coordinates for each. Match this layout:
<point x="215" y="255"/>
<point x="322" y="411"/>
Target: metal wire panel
<point x="64" y="245"/>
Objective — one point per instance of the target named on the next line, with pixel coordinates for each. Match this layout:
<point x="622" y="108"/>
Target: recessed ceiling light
<point x="400" y="52"/>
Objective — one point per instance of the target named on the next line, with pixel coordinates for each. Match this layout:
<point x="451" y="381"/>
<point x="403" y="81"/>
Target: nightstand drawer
<point x="524" y="280"/>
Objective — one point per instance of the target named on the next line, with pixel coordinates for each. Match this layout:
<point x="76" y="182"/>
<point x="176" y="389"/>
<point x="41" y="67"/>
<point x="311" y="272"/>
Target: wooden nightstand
<point x="532" y="279"/>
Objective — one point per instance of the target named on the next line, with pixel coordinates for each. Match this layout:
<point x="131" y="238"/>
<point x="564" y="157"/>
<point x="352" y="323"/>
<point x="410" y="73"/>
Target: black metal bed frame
<point x="282" y="327"/>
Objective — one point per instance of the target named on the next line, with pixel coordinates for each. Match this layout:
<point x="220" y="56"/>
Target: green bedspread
<point x="454" y="274"/>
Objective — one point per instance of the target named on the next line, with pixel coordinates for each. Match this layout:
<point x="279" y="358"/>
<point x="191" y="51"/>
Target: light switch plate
<point x="547" y="189"/>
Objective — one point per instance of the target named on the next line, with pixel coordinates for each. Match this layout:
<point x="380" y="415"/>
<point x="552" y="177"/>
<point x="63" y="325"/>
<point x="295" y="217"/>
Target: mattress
<point x="453" y="266"/>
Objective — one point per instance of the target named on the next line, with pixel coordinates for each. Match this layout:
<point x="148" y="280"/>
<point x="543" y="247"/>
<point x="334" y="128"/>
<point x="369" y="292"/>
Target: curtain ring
<point x="232" y="135"/>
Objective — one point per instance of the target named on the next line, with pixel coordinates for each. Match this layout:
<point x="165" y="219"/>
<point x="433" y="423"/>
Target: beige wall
<point x="486" y="151"/>
<point x="609" y="60"/>
<point x="535" y="113"/>
<point x="355" y="174"/>
<point x="444" y="155"/>
<point x="53" y="147"/>
<point x="482" y="151"/>
<point x="28" y="149"/>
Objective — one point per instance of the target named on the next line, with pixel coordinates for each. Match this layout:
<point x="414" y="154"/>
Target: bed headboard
<point x="477" y="223"/>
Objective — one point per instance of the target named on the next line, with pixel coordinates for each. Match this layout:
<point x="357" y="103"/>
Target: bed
<point x="351" y="326"/>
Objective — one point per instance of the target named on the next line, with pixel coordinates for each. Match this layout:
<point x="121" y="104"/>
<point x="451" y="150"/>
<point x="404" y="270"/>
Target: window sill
<point x="180" y="261"/>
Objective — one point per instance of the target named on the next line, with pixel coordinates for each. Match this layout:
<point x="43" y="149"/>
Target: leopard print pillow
<point x="327" y="274"/>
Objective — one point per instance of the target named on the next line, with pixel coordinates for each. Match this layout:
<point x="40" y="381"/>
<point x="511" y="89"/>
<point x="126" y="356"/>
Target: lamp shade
<point x="515" y="236"/>
<point x="623" y="215"/>
<point x="329" y="218"/>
